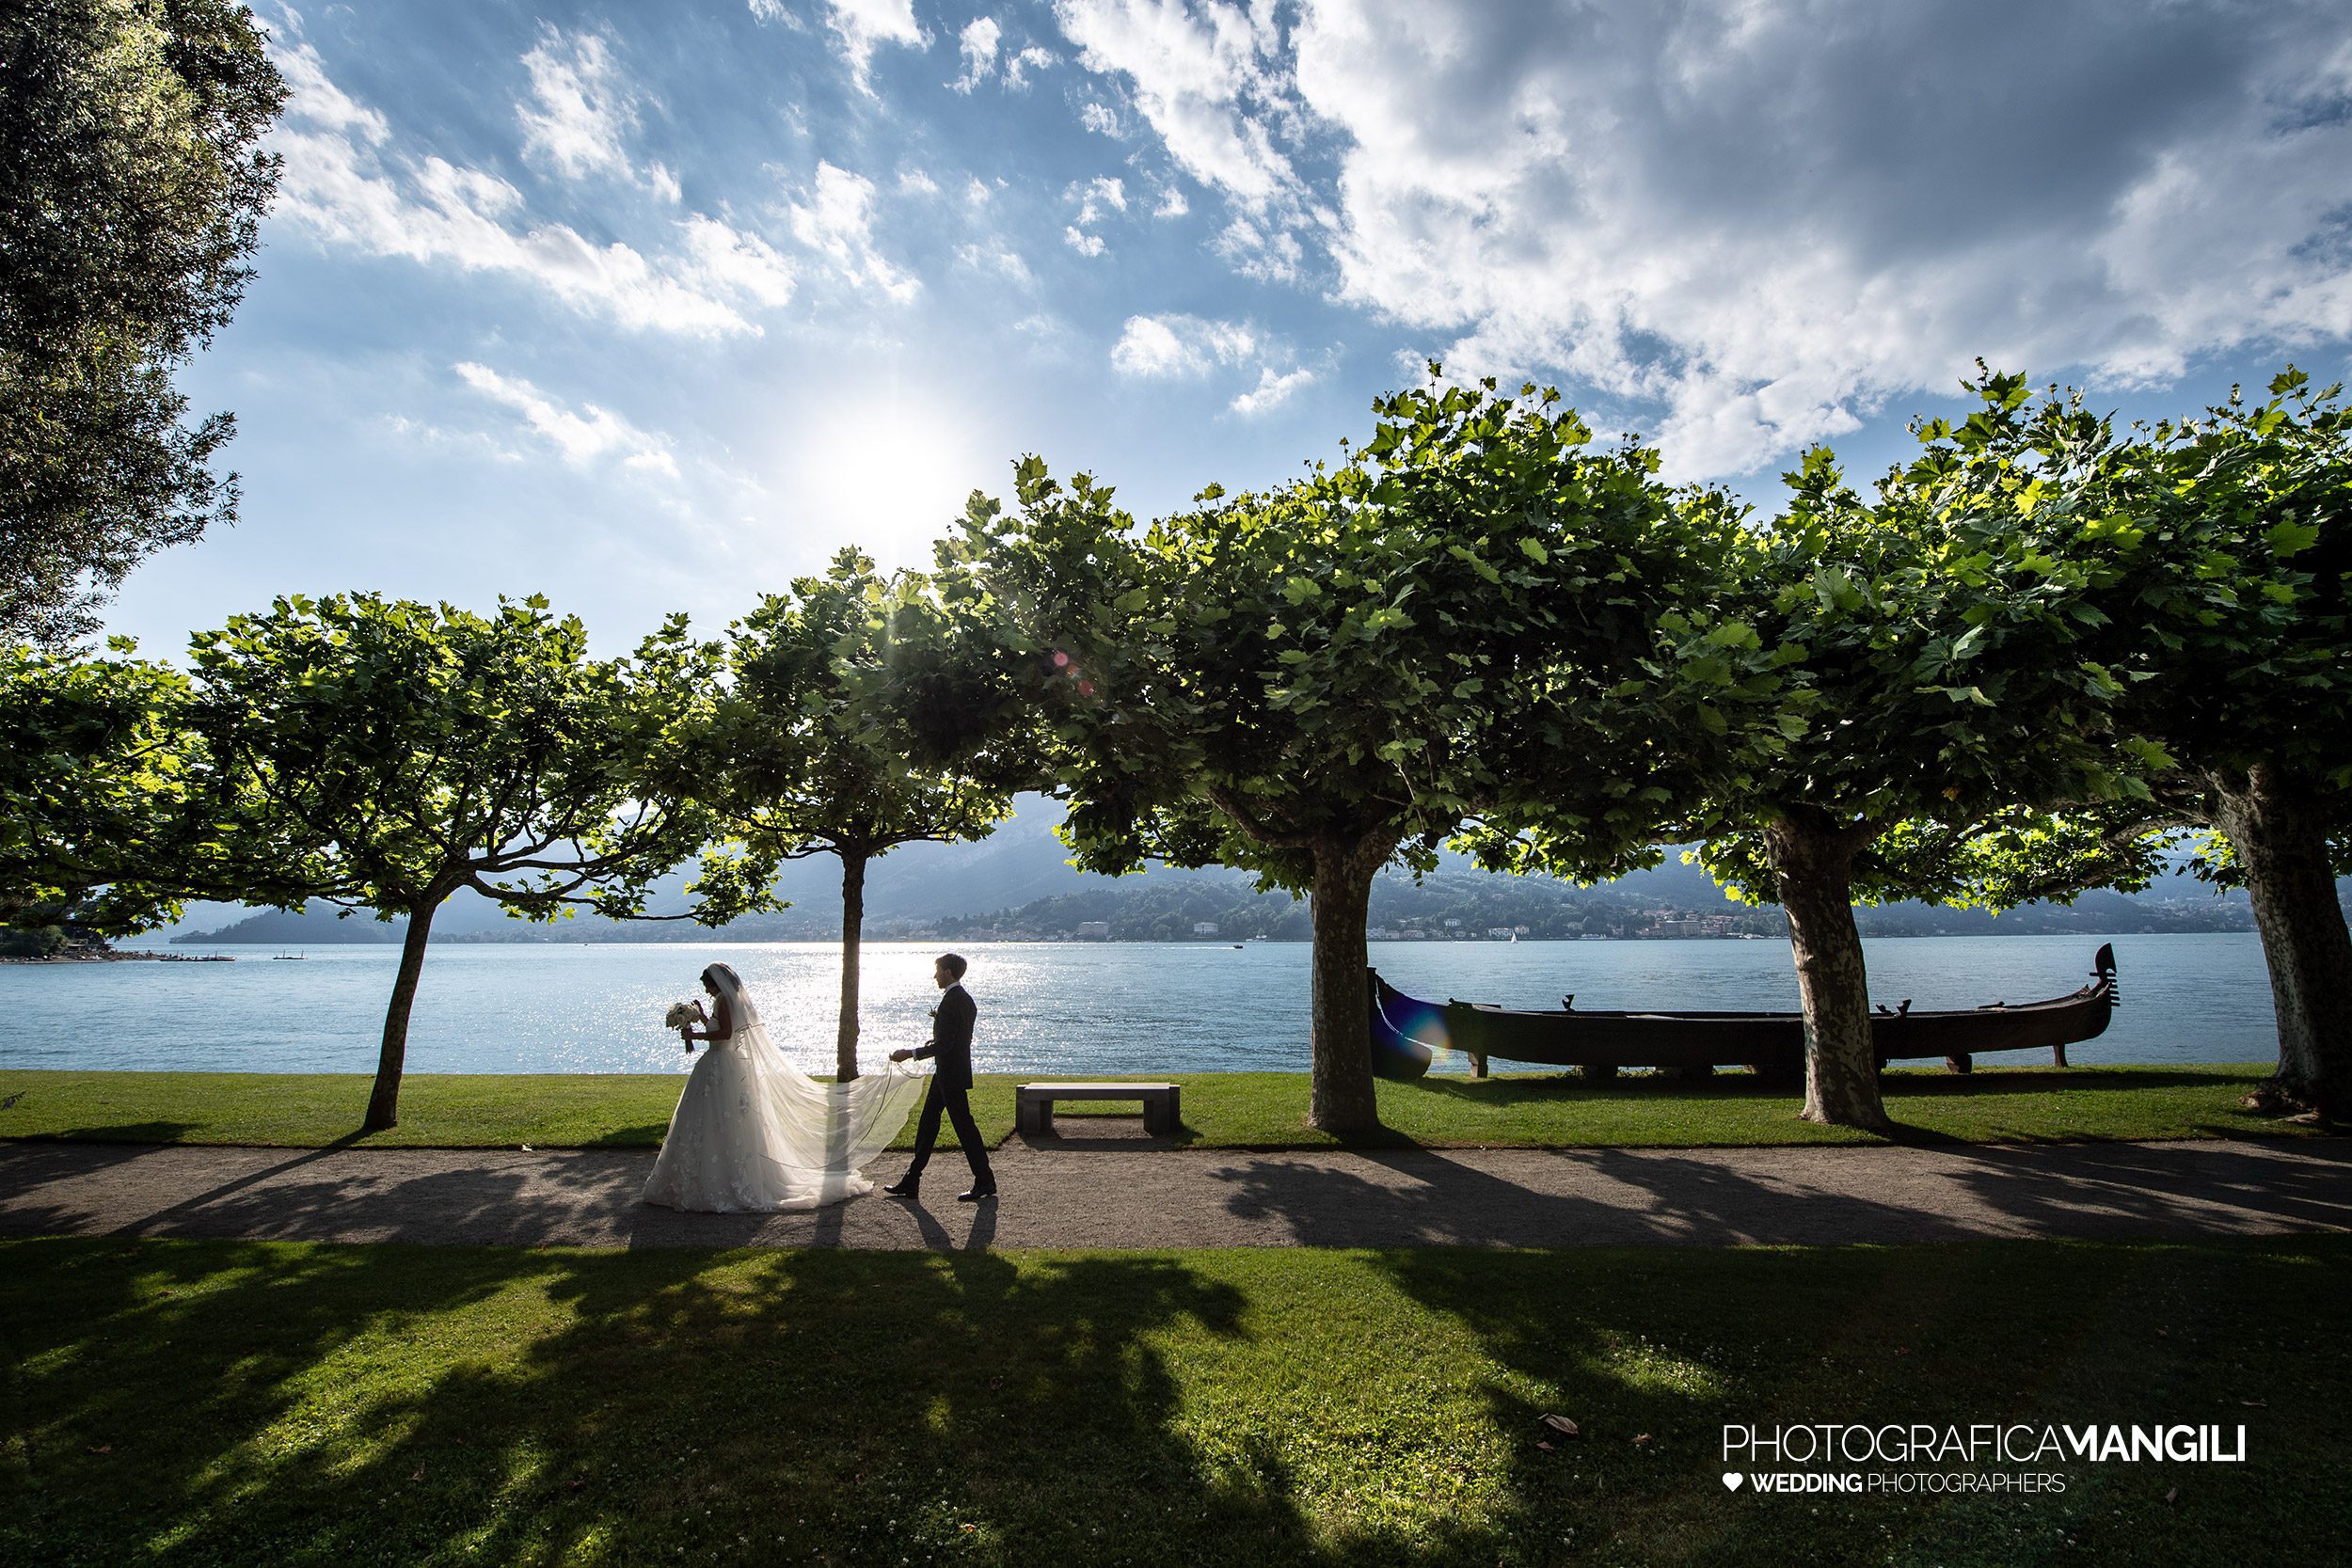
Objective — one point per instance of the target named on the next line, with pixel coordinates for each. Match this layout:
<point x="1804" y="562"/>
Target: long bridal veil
<point x="752" y="1132"/>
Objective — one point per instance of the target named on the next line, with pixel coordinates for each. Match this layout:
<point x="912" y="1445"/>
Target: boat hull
<point x="1404" y="1030"/>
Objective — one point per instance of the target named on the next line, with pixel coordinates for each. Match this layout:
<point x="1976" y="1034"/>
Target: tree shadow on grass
<point x="414" y="1405"/>
<point x="1653" y="1353"/>
<point x="246" y="1402"/>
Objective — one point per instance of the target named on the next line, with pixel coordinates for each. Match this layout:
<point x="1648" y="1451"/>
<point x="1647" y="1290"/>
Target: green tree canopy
<point x="93" y="780"/>
<point x="820" y="747"/>
<point x="1312" y="680"/>
<point x="2234" y="639"/>
<point x="1948" y="634"/>
<point x="129" y="197"/>
<point x="384" y="754"/>
<point x="2249" y="686"/>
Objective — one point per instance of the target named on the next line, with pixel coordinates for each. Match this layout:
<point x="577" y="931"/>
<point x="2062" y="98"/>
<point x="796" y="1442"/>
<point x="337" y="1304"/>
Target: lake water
<point x="1062" y="1008"/>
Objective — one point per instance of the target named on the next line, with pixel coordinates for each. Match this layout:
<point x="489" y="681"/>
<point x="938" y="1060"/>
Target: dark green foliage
<point x="1947" y="635"/>
<point x="130" y="197"/>
<point x="1954" y="680"/>
<point x="94" y="779"/>
<point x="27" y="940"/>
<point x="2231" y="631"/>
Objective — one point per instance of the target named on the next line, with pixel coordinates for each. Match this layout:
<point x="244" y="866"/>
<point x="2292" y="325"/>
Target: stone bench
<point x="1033" y="1105"/>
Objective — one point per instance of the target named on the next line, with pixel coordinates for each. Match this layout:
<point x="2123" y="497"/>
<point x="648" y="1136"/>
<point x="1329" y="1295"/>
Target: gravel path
<point x="1092" y="1192"/>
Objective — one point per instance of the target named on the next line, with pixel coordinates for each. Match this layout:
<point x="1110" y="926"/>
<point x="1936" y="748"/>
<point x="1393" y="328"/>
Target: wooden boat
<point x="1406" y="1030"/>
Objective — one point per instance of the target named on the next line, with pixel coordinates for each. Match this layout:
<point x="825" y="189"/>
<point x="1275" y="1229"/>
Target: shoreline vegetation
<point x="110" y="956"/>
<point x="1221" y="1110"/>
<point x="1451" y="906"/>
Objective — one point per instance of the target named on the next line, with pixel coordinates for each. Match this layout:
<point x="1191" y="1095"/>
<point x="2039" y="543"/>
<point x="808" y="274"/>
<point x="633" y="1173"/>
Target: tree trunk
<point x="383" y="1102"/>
<point x="1813" y="858"/>
<point x="1341" y="1098"/>
<point x="2280" y="836"/>
<point x="852" y="934"/>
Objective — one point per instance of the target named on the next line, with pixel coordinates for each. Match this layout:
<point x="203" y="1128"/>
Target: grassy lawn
<point x="219" y="1402"/>
<point x="1228" y="1110"/>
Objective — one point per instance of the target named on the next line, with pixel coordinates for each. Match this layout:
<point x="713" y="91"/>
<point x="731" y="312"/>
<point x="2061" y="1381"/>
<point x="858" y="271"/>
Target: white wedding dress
<point x="752" y="1134"/>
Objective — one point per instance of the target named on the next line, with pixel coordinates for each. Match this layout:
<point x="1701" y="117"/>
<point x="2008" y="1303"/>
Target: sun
<point x="887" y="472"/>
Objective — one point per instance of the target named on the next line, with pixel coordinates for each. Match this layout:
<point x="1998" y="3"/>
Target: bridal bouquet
<point x="680" y="1016"/>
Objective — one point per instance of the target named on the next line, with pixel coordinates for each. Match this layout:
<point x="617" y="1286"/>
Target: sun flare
<point x="888" y="473"/>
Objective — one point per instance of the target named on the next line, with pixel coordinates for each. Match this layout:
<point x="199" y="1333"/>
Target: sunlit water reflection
<point x="1105" y="1007"/>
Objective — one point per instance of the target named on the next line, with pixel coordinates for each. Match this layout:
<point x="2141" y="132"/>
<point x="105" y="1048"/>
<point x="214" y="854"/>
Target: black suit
<point x="951" y="1082"/>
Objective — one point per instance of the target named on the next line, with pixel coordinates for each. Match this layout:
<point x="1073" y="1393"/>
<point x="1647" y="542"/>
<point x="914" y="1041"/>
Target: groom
<point x="951" y="1084"/>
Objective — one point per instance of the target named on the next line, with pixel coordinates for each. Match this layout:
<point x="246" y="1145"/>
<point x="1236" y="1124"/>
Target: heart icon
<point x="1732" y="1479"/>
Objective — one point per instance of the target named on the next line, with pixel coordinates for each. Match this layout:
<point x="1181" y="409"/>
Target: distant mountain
<point x="1021" y="861"/>
<point x="1016" y="882"/>
<point x="314" y="927"/>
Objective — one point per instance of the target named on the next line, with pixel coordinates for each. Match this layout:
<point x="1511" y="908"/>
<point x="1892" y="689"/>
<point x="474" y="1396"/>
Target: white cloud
<point x="1254" y="252"/>
<point x="1102" y="119"/>
<point x="773" y="11"/>
<point x="977" y="45"/>
<point x="1172" y="203"/>
<point x="981" y="46"/>
<point x="326" y="107"/>
<point x="914" y="182"/>
<point x="1764" y="223"/>
<point x="582" y="438"/>
<point x="1096" y="194"/>
<point x="861" y="25"/>
<point x="1093" y="197"/>
<point x="742" y="263"/>
<point x="580" y="108"/>
<point x="1172" y="347"/>
<point x="664" y="185"/>
<point x="994" y="256"/>
<point x="1204" y="78"/>
<point x="1017" y="69"/>
<point x="1190" y="348"/>
<point x="838" y="219"/>
<point x="1272" y="391"/>
<point x="977" y="192"/>
<point x="344" y="184"/>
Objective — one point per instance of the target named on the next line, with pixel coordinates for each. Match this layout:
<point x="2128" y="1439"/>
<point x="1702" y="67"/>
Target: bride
<point x="752" y="1134"/>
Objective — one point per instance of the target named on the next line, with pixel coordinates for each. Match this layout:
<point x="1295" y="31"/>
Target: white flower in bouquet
<point x="680" y="1015"/>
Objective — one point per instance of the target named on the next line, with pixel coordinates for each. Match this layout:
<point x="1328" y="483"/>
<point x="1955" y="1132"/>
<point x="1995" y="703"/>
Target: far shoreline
<point x="1209" y="943"/>
<point x="114" y="956"/>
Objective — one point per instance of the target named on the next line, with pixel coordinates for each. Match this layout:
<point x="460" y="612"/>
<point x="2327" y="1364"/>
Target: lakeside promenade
<point x="1114" y="1191"/>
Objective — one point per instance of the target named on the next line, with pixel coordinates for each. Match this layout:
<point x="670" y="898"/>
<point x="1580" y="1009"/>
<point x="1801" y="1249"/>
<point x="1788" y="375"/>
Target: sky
<point x="654" y="307"/>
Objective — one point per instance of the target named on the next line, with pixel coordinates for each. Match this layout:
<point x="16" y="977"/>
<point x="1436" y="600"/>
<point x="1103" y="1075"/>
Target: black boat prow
<point x="1406" y="1030"/>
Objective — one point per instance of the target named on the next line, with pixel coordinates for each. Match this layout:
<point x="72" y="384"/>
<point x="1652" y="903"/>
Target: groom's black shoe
<point x="977" y="1193"/>
<point x="906" y="1186"/>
